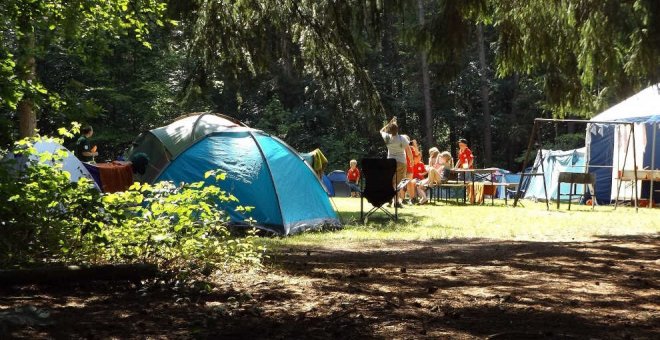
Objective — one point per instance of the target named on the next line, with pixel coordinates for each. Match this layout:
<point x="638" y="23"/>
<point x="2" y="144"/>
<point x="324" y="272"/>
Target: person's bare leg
<point x="422" y="193"/>
<point x="411" y="189"/>
<point x="434" y="177"/>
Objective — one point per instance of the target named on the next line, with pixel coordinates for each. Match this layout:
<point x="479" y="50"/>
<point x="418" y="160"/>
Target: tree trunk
<point x="27" y="71"/>
<point x="487" y="138"/>
<point x="426" y="85"/>
<point x="513" y="113"/>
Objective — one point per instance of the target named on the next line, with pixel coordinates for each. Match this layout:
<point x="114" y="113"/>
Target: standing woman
<point x="397" y="148"/>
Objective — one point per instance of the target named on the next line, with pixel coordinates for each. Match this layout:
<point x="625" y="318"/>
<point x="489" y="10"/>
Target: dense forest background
<point x="324" y="73"/>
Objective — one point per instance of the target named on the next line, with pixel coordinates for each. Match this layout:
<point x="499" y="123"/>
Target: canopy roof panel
<point x="643" y="106"/>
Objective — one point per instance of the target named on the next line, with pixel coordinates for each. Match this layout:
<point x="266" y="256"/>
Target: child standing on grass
<point x="353" y="177"/>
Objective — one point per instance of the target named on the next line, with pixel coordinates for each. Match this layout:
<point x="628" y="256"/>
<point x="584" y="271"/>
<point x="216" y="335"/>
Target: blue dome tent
<point x="262" y="172"/>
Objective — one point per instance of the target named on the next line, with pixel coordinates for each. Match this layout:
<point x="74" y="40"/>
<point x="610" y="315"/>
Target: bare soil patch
<point x="461" y="288"/>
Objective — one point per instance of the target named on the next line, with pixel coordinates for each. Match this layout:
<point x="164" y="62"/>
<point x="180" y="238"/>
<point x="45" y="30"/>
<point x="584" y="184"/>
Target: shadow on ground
<point x="455" y="288"/>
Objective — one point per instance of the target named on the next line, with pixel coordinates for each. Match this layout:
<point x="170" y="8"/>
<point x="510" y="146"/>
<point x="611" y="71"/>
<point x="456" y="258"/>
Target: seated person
<point x="419" y="174"/>
<point x="447" y="165"/>
<point x="353" y="178"/>
<point x="434" y="168"/>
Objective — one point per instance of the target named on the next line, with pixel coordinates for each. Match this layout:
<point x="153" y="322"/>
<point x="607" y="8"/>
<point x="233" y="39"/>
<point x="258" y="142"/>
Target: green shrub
<point x="49" y="219"/>
<point x="45" y="214"/>
<point x="178" y="228"/>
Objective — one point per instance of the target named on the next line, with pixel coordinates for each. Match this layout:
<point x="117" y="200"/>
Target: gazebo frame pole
<point x="632" y="127"/>
<point x="655" y="132"/>
<point x="545" y="185"/>
<point x="620" y="170"/>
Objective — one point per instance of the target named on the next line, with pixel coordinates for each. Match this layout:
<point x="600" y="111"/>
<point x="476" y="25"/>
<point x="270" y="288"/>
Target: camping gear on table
<point x="261" y="171"/>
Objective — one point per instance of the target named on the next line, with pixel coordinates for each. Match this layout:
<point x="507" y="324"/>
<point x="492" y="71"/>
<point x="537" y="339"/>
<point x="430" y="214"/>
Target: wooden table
<point x="574" y="178"/>
<point x="479" y="174"/>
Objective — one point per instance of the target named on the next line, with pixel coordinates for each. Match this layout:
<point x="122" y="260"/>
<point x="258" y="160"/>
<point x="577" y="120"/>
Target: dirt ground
<point x="459" y="288"/>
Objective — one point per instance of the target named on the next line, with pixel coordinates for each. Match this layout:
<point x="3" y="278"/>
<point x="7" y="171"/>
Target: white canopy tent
<point x="608" y="149"/>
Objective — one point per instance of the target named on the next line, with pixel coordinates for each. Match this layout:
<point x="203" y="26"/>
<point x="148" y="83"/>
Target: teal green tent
<point x="262" y="171"/>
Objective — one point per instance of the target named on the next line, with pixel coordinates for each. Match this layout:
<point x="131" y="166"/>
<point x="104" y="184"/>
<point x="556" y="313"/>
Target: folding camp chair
<point x="378" y="174"/>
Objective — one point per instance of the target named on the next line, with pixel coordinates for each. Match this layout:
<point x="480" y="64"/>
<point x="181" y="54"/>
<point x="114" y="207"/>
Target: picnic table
<point x="481" y="184"/>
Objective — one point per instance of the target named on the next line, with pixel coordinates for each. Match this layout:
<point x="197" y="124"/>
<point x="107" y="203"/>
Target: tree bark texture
<point x="28" y="72"/>
<point x="487" y="134"/>
<point x="426" y="85"/>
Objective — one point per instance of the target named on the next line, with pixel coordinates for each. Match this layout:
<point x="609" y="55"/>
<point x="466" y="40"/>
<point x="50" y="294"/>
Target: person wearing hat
<point x="465" y="157"/>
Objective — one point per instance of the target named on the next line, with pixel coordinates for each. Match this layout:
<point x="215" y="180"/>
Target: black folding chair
<point x="378" y="190"/>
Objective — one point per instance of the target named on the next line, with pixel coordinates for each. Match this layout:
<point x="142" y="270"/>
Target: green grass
<point x="430" y="222"/>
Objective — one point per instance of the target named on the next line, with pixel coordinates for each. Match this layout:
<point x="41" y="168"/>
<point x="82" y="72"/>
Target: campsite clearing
<point x="441" y="272"/>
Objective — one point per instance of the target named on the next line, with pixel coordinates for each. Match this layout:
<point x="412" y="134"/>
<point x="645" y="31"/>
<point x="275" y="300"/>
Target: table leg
<point x="558" y="193"/>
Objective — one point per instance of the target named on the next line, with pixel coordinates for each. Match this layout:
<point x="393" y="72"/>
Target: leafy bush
<point x="45" y="214"/>
<point x="178" y="228"/>
<point x="49" y="219"/>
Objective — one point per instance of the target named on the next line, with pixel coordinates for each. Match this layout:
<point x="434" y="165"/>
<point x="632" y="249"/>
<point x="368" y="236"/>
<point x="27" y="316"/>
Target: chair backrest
<point x="378" y="174"/>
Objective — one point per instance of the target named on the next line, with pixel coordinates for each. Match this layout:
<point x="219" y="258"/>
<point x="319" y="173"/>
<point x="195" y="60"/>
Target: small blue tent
<point x="339" y="182"/>
<point x="607" y="142"/>
<point x="262" y="172"/>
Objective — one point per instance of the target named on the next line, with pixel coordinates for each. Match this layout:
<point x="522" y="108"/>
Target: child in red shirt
<point x="419" y="172"/>
<point x="465" y="157"/>
<point x="353" y="177"/>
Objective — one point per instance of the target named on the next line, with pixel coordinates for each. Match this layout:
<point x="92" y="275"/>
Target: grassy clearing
<point x="431" y="222"/>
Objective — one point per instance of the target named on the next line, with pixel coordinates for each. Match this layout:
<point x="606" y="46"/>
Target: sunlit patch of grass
<point x="446" y="221"/>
